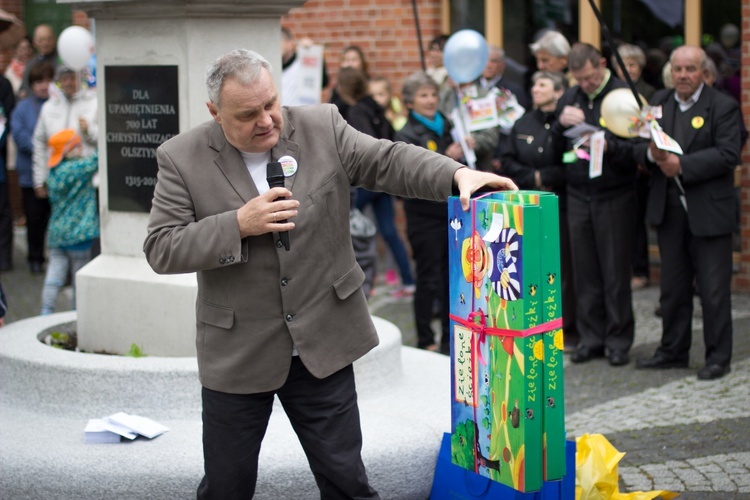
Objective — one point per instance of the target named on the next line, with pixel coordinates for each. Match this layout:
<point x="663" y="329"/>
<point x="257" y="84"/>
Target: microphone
<point x="275" y="178"/>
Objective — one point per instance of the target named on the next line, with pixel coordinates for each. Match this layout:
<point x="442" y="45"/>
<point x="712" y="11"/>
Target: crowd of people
<point x="289" y="322"/>
<point x="605" y="215"/>
<point x="50" y="139"/>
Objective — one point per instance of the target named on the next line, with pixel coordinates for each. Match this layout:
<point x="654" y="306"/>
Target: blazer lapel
<point x="696" y="117"/>
<point x="287" y="147"/>
<point x="230" y="163"/>
<point x="668" y="113"/>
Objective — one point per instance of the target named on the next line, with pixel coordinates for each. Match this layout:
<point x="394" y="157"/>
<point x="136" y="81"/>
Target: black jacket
<point x="530" y="148"/>
<point x="416" y="133"/>
<point x="619" y="168"/>
<point x="369" y="118"/>
<point x="711" y="151"/>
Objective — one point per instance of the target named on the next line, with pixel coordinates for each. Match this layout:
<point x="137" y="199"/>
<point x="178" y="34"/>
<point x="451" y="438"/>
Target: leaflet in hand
<point x="583" y="129"/>
<point x="662" y="140"/>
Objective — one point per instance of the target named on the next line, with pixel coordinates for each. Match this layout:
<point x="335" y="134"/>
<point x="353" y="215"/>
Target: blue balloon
<point x="465" y="56"/>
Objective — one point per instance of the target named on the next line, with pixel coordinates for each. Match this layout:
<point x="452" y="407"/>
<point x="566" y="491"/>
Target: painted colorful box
<point x="554" y="395"/>
<point x="497" y="345"/>
<point x="451" y="482"/>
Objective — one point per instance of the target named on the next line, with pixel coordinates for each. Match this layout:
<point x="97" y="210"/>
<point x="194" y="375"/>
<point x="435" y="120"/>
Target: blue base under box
<point x="452" y="482"/>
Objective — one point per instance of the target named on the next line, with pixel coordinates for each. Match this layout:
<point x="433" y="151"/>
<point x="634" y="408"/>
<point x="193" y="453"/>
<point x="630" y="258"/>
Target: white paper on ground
<point x="100" y="431"/>
<point x="140" y="425"/>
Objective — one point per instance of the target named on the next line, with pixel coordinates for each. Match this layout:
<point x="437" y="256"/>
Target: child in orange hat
<point x="74" y="222"/>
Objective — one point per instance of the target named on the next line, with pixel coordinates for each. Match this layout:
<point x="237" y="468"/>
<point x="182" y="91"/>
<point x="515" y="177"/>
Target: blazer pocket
<point x="722" y="196"/>
<point x="221" y="317"/>
<point x="349" y="282"/>
<point x="320" y="193"/>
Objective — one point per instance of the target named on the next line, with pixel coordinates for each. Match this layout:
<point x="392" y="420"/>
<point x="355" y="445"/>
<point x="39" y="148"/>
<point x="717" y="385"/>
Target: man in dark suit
<point x="691" y="203"/>
<point x="272" y="322"/>
<point x="494" y="76"/>
<point x="601" y="203"/>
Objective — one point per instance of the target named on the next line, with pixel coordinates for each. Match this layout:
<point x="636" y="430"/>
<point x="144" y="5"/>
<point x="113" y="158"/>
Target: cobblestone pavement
<point x="677" y="433"/>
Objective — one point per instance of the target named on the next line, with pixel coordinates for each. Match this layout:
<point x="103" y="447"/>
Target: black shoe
<point x="660" y="362"/>
<point x="618" y="358"/>
<point x="711" y="372"/>
<point x="584" y="354"/>
<point x="569" y="347"/>
<point x="570" y="340"/>
<point x="36" y="267"/>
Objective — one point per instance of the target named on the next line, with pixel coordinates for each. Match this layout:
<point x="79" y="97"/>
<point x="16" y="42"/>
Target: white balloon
<point x="621" y="113"/>
<point x="75" y="46"/>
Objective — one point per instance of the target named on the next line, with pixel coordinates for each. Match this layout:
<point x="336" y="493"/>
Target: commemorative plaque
<point x="141" y="113"/>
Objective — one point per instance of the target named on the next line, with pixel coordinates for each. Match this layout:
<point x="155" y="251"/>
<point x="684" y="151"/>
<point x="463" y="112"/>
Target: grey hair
<point x="496" y="52"/>
<point x="582" y="53"/>
<point x="553" y="42"/>
<point x="666" y="75"/>
<point x="414" y="82"/>
<point x="559" y="82"/>
<point x="711" y="68"/>
<point x="701" y="54"/>
<point x="243" y="64"/>
<point x="629" y="51"/>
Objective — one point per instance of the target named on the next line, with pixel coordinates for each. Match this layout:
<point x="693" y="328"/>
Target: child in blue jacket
<point x="74" y="222"/>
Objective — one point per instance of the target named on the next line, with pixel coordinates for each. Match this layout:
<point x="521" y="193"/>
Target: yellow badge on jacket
<point x="432" y="145"/>
<point x="697" y="122"/>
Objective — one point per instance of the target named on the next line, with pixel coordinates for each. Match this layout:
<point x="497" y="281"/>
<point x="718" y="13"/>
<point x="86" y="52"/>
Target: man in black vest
<point x="691" y="203"/>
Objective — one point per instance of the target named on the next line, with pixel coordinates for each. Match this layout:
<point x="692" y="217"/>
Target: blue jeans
<point x="60" y="262"/>
<point x="382" y="205"/>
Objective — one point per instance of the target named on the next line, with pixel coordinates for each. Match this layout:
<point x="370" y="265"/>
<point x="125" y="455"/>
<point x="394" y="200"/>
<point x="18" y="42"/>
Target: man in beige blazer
<point x="272" y="321"/>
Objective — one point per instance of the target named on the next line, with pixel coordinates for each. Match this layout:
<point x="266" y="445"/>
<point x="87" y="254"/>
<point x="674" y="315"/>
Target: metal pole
<point x="419" y="34"/>
<point x="631" y="84"/>
<point x="611" y="43"/>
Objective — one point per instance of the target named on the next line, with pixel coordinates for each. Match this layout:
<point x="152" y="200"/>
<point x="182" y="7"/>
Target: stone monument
<point x="151" y="59"/>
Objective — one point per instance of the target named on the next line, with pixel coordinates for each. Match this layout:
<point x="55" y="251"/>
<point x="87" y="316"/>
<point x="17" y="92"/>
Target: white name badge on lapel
<point x="288" y="165"/>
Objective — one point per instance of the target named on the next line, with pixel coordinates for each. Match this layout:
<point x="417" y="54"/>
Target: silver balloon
<point x="621" y="113"/>
<point x="465" y="55"/>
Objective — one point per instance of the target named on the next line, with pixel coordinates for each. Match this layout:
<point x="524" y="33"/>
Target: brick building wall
<point x="384" y="29"/>
<point x="742" y="279"/>
<point x="386" y="32"/>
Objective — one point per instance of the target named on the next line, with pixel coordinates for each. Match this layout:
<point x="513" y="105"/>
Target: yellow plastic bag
<point x="596" y="472"/>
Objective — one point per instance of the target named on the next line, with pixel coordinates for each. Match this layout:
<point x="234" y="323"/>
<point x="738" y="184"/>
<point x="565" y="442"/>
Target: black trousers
<point x="641" y="264"/>
<point x="568" y="287"/>
<point x="686" y="260"/>
<point x="6" y="228"/>
<point x="428" y="237"/>
<point x="601" y="234"/>
<point x="323" y="413"/>
<point x="37" y="211"/>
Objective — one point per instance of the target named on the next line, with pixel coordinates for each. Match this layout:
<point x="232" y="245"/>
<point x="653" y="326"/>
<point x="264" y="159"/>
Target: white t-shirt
<point x="256" y="165"/>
